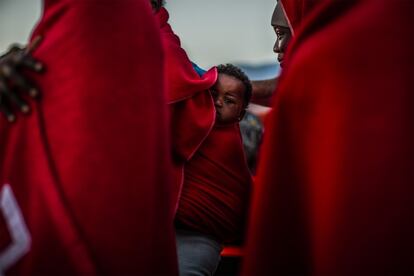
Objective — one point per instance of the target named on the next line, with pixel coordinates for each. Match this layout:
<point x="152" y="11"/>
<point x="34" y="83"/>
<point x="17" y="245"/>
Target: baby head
<point x="231" y="93"/>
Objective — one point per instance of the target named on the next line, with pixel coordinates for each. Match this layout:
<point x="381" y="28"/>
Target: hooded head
<point x="283" y="32"/>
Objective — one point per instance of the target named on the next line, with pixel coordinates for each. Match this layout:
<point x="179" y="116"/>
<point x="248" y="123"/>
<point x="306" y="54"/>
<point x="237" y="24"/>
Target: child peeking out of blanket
<point x="214" y="198"/>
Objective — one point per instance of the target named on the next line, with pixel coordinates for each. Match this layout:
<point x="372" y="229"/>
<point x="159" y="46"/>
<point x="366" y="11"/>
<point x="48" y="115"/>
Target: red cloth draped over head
<point x="190" y="103"/>
<point x="89" y="168"/>
<point x="297" y="10"/>
<point x="217" y="186"/>
<point x="336" y="175"/>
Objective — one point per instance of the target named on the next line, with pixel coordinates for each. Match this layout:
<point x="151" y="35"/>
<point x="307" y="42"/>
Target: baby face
<point x="228" y="99"/>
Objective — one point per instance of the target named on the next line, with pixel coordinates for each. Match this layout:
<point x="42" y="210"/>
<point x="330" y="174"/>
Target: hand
<point x="13" y="84"/>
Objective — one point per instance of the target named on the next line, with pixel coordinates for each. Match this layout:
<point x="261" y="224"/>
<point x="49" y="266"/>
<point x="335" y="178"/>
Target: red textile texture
<point x="335" y="183"/>
<point x="296" y="10"/>
<point x="217" y="186"/>
<point x="192" y="112"/>
<point x="90" y="166"/>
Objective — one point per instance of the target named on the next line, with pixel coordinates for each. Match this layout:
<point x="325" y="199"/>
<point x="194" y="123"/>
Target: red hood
<point x="335" y="178"/>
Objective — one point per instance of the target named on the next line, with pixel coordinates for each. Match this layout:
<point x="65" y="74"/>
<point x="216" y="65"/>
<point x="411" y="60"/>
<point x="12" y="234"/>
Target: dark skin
<point x="283" y="36"/>
<point x="263" y="89"/>
<point x="14" y="88"/>
<point x="227" y="94"/>
<point x="283" y="33"/>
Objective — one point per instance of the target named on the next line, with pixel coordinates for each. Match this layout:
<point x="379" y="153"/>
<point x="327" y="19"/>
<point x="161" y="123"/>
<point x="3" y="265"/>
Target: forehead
<point x="278" y="17"/>
<point x="230" y="84"/>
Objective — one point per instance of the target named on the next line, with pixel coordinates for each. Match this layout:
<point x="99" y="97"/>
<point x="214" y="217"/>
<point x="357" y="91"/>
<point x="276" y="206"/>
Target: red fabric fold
<point x="90" y="167"/>
<point x="192" y="111"/>
<point x="191" y="105"/>
<point x="182" y="81"/>
<point x="336" y="176"/>
<point x="297" y="10"/>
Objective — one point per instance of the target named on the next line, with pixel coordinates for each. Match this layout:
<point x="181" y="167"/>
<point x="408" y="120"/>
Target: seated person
<point x="217" y="182"/>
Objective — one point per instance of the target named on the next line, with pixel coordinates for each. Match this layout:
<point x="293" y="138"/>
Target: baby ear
<point x="242" y="113"/>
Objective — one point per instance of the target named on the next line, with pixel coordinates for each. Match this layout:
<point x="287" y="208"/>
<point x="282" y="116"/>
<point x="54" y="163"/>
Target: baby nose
<point x="218" y="102"/>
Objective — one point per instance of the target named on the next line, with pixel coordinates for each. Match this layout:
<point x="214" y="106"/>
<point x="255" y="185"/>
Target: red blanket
<point x="336" y="178"/>
<point x="182" y="80"/>
<point x="190" y="103"/>
<point x="84" y="180"/>
<point x="217" y="186"/>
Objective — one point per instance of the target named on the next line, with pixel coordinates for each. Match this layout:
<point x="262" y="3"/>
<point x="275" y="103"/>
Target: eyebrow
<point x="233" y="95"/>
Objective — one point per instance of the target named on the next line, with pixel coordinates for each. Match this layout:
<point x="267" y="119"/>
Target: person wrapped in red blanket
<point x="335" y="182"/>
<point x="211" y="174"/>
<point x="214" y="198"/>
<point x="83" y="189"/>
